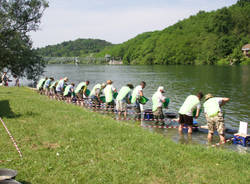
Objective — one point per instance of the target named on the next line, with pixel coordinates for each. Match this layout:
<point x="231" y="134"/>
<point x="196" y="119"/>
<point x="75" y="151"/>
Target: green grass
<point x="63" y="143"/>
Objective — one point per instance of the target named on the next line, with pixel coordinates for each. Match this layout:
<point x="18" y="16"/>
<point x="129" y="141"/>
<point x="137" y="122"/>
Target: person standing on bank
<point x="136" y="95"/>
<point x="158" y="99"/>
<point x="214" y="116"/>
<point x="191" y="103"/>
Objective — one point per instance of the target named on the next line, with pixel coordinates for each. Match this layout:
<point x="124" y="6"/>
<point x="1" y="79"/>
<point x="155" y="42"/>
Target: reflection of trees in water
<point x="245" y="77"/>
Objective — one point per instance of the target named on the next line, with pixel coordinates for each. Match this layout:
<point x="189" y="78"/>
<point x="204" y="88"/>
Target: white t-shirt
<point x="160" y="98"/>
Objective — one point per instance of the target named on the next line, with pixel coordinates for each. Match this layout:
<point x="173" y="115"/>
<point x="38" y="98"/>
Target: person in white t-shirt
<point x="158" y="99"/>
<point x="214" y="116"/>
<point x="136" y="95"/>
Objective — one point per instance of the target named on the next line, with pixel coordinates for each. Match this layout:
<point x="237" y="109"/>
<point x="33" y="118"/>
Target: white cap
<point x="161" y="89"/>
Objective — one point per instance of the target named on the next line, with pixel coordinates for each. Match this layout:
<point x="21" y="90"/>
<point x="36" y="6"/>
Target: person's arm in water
<point x="224" y="101"/>
<point x="197" y="113"/>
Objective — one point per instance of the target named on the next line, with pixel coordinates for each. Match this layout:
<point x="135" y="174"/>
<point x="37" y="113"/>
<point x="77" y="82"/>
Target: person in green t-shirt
<point x="123" y="99"/>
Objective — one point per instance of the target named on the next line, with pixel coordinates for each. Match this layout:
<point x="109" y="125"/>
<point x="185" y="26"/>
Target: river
<point x="179" y="82"/>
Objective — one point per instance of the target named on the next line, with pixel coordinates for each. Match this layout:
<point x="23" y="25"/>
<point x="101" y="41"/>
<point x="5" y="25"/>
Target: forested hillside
<point x="79" y="47"/>
<point x="207" y="38"/>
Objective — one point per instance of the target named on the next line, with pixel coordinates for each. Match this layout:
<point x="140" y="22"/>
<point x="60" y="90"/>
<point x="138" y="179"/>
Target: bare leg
<point x="181" y="128"/>
<point x="222" y="138"/>
<point x="210" y="137"/>
<point x="190" y="129"/>
<point x="125" y="114"/>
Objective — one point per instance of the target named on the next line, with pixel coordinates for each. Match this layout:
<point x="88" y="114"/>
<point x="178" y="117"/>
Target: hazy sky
<point x="114" y="20"/>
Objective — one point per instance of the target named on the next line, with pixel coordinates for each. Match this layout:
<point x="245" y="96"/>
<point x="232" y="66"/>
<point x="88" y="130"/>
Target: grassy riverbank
<point x="63" y="143"/>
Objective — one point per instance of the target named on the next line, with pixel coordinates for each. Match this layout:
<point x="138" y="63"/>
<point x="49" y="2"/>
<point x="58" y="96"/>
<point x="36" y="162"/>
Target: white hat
<point x="161" y="89"/>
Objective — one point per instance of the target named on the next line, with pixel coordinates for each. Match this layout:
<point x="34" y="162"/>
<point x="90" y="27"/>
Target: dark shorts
<point x="184" y="119"/>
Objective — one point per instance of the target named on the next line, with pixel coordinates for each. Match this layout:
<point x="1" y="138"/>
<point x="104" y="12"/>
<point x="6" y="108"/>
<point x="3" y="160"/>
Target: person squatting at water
<point x="69" y="92"/>
<point x="123" y="99"/>
<point x="158" y="99"/>
<point x="52" y="88"/>
<point x="136" y="95"/>
<point x="191" y="103"/>
<point x="40" y="85"/>
<point x="109" y="90"/>
<point x="95" y="94"/>
<point x="47" y="84"/>
<point x="214" y="116"/>
<point x="60" y="88"/>
<point x="81" y="90"/>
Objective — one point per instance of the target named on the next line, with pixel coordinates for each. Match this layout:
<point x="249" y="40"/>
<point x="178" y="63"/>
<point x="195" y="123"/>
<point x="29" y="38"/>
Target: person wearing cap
<point x="158" y="99"/>
<point x="47" y="85"/>
<point x="41" y="84"/>
<point x="136" y="95"/>
<point x="95" y="94"/>
<point x="60" y="87"/>
<point x="191" y="103"/>
<point x="108" y="92"/>
<point x="214" y="116"/>
<point x="123" y="98"/>
<point x="69" y="92"/>
<point x="81" y="89"/>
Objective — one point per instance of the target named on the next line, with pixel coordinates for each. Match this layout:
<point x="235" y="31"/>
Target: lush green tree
<point x="76" y="48"/>
<point x="204" y="38"/>
<point x="17" y="19"/>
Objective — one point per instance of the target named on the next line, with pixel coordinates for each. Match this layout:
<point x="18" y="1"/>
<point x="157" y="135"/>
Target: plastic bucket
<point x="194" y="112"/>
<point x="166" y="103"/>
<point x="7" y="174"/>
<point x="9" y="182"/>
<point x="148" y="114"/>
<point x="87" y="92"/>
<point x="103" y="99"/>
<point x="143" y="100"/>
<point x="115" y="95"/>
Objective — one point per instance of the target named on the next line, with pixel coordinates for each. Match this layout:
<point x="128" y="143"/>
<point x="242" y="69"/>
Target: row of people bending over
<point x="190" y="109"/>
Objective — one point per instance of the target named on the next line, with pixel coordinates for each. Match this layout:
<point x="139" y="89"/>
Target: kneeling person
<point x="123" y="99"/>
<point x="69" y="92"/>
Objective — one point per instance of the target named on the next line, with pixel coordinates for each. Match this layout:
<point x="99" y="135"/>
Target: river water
<point x="179" y="82"/>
